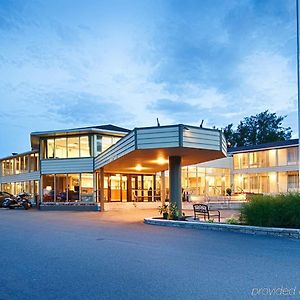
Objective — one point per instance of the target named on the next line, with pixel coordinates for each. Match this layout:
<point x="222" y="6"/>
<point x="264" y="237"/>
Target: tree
<point x="262" y="128"/>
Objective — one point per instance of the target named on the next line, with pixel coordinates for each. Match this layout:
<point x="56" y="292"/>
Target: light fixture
<point x="138" y="167"/>
<point x="161" y="161"/>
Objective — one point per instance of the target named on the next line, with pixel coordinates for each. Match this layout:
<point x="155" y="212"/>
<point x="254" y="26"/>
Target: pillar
<point x="101" y="188"/>
<point x="175" y="181"/>
<point x="163" y="187"/>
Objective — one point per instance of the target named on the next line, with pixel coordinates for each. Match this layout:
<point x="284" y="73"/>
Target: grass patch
<point x="282" y="210"/>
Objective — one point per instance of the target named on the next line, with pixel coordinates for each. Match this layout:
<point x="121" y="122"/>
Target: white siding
<point x="71" y="165"/>
<point x="160" y="137"/>
<point x="122" y="147"/>
<point x="20" y="177"/>
<point x="202" y="138"/>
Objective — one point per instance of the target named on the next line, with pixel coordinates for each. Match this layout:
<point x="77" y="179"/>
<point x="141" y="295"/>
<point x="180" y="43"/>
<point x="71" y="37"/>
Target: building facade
<point x="63" y="165"/>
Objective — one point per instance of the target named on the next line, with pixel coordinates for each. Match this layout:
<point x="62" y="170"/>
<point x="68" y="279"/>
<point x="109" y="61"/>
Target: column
<point x="101" y="188"/>
<point x="175" y="181"/>
<point x="163" y="187"/>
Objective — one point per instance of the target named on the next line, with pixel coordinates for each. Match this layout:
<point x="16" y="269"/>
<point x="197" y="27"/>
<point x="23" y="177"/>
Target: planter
<point x="165" y="215"/>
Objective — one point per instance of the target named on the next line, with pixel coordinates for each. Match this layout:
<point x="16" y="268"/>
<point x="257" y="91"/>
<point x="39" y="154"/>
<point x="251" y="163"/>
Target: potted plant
<point x="164" y="211"/>
<point x="173" y="211"/>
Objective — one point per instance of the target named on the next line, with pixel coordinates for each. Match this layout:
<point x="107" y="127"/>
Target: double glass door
<point x="127" y="187"/>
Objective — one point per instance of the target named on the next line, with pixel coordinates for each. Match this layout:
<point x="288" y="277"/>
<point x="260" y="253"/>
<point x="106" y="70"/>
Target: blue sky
<point x="75" y="63"/>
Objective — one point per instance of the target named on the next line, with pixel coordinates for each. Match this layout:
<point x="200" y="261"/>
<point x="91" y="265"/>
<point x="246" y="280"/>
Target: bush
<point x="233" y="221"/>
<point x="282" y="210"/>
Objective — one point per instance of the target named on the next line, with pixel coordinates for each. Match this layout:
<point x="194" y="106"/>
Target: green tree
<point x="262" y="128"/>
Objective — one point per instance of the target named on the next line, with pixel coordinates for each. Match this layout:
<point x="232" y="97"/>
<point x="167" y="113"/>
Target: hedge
<point x="282" y="210"/>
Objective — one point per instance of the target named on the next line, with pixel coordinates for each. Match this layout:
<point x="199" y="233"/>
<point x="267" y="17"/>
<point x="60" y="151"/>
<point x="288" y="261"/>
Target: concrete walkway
<point x="134" y="215"/>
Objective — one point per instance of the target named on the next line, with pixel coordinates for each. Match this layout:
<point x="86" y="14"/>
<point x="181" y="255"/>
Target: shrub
<point x="282" y="210"/>
<point x="233" y="221"/>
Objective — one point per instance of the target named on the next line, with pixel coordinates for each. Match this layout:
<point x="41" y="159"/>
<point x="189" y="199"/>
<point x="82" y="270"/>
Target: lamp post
<point x="298" y="90"/>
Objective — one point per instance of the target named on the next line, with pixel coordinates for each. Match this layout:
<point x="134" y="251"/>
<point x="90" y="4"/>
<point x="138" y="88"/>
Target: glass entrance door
<point x="115" y="187"/>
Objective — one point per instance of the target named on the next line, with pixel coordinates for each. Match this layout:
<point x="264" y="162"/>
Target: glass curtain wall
<point x="68" y="147"/>
<point x="270" y="182"/>
<point x="267" y="158"/>
<point x="204" y="181"/>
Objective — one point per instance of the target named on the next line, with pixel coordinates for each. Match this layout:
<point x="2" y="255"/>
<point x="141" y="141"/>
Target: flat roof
<point x="108" y="129"/>
<point x="19" y="154"/>
<point x="272" y="145"/>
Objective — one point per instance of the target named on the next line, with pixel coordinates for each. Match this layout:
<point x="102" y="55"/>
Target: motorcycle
<point x="22" y="200"/>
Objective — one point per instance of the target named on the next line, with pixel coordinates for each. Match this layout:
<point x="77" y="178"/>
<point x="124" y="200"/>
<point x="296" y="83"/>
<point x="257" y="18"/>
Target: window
<point x="272" y="158"/>
<point x="253" y="159"/>
<point x="67" y="147"/>
<point x="282" y="157"/>
<point x="87" y="187"/>
<point x="107" y="141"/>
<point x="61" y="187"/>
<point x="73" y="147"/>
<point x="50" y="148"/>
<point x="48" y="188"/>
<point x="73" y="187"/>
<point x="293" y="182"/>
<point x="33" y="162"/>
<point x="85" y="146"/>
<point x="60" y="147"/>
<point x="99" y="144"/>
<point x="292" y="155"/>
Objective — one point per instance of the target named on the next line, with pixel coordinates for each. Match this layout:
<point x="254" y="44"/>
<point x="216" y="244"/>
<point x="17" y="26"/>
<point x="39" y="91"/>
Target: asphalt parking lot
<point x="90" y="255"/>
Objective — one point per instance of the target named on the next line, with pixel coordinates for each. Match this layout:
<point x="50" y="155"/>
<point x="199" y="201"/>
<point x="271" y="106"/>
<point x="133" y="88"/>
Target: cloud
<point x="130" y="62"/>
<point x="268" y="81"/>
<point x="86" y="109"/>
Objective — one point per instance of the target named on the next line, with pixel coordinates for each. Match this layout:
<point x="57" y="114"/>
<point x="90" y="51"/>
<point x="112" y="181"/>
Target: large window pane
<point x="85" y="146"/>
<point x="99" y="144"/>
<point x="292" y="155"/>
<point x="61" y="187"/>
<point x="107" y="141"/>
<point x="48" y="188"/>
<point x="87" y="187"/>
<point x="33" y="162"/>
<point x="73" y="147"/>
<point x="272" y="158"/>
<point x="73" y="187"/>
<point x="50" y="148"/>
<point x="60" y="147"/>
<point x="282" y="157"/>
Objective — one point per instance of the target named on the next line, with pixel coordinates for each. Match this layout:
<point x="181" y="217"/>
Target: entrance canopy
<point x="147" y="150"/>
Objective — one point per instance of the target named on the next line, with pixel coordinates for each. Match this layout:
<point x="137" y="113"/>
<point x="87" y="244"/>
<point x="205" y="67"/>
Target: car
<point x="5" y="195"/>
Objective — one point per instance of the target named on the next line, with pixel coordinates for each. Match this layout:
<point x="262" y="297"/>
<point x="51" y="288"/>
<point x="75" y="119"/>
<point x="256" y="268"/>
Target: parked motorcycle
<point x="22" y="200"/>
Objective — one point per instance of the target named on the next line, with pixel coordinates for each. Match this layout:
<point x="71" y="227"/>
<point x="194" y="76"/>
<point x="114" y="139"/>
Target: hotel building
<point x="92" y="165"/>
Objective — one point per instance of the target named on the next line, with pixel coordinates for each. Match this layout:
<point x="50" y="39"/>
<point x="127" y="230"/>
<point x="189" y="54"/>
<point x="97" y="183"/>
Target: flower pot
<point x="165" y="215"/>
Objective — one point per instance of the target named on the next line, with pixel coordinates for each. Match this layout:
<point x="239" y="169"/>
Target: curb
<point x="270" y="231"/>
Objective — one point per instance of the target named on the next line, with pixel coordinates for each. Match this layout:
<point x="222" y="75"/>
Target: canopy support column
<point x="175" y="181"/>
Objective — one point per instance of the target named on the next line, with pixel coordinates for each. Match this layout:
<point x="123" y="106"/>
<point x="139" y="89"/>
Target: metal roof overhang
<point x="146" y="150"/>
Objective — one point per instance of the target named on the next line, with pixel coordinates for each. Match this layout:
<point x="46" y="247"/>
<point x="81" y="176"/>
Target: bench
<point x="203" y="209"/>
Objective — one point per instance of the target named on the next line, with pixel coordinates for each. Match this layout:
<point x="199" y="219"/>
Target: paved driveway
<point x="72" y="255"/>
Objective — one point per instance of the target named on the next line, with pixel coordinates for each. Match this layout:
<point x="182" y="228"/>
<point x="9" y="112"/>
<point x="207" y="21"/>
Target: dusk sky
<point x="71" y="63"/>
